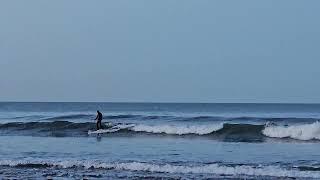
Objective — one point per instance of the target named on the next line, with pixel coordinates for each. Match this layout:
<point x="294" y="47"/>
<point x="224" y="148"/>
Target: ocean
<point x="159" y="141"/>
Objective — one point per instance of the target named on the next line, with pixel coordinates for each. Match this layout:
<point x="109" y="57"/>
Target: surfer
<point x="99" y="119"/>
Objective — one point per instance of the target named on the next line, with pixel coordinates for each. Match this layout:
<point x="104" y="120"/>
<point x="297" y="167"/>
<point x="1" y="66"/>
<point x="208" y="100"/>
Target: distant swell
<point x="69" y="117"/>
<point x="122" y="116"/>
<point x="176" y="117"/>
<point x="219" y="169"/>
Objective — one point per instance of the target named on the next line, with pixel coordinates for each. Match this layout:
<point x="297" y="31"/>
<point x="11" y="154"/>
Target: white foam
<point x="178" y="130"/>
<point x="274" y="171"/>
<point x="300" y="132"/>
<point x="167" y="129"/>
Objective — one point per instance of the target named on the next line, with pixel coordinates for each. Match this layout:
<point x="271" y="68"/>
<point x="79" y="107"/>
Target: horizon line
<point x="151" y="102"/>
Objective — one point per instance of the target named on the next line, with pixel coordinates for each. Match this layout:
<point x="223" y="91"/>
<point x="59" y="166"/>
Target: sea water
<point x="159" y="141"/>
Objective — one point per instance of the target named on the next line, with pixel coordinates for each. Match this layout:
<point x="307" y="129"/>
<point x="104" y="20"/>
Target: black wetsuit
<point x="99" y="119"/>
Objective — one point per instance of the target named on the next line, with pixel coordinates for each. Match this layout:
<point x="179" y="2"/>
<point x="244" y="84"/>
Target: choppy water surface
<point x="159" y="141"/>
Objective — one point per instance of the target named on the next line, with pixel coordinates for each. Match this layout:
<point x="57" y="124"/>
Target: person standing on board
<point x="99" y="119"/>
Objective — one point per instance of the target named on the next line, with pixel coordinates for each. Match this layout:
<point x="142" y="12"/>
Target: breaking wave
<point x="218" y="169"/>
<point x="178" y="130"/>
<point x="299" y="132"/>
<point x="223" y="131"/>
<point x="72" y="126"/>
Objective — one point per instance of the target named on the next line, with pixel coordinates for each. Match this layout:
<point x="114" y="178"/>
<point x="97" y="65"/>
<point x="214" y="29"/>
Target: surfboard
<point x="111" y="130"/>
<point x="101" y="131"/>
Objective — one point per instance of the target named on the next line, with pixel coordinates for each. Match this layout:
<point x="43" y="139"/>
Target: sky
<point x="160" y="51"/>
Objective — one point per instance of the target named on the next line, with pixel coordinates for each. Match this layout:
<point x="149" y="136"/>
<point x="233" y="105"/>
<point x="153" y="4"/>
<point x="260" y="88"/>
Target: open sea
<point x="159" y="141"/>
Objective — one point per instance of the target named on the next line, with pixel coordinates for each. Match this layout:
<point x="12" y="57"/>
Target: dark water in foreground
<point x="159" y="141"/>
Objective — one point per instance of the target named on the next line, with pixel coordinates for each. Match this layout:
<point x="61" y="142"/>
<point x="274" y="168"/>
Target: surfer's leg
<point x="98" y="125"/>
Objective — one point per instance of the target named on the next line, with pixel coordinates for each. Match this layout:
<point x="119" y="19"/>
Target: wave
<point x="221" y="131"/>
<point x="224" y="132"/>
<point x="55" y="125"/>
<point x="214" y="168"/>
<point x="161" y="129"/>
<point x="72" y="126"/>
<point x="55" y="128"/>
<point x="299" y="132"/>
<point x="178" y="130"/>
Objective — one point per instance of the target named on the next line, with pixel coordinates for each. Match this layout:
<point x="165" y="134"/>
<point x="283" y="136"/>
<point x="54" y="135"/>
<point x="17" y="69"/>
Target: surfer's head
<point x="98" y="111"/>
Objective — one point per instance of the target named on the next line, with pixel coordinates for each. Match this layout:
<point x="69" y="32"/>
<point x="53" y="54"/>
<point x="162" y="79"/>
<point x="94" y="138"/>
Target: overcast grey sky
<point x="160" y="51"/>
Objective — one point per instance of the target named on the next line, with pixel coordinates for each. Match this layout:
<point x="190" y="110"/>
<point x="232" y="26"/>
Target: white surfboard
<point x="111" y="130"/>
<point x="101" y="131"/>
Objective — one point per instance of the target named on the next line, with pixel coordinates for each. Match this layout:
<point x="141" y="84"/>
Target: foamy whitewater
<point x="300" y="132"/>
<point x="275" y="171"/>
<point x="159" y="141"/>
